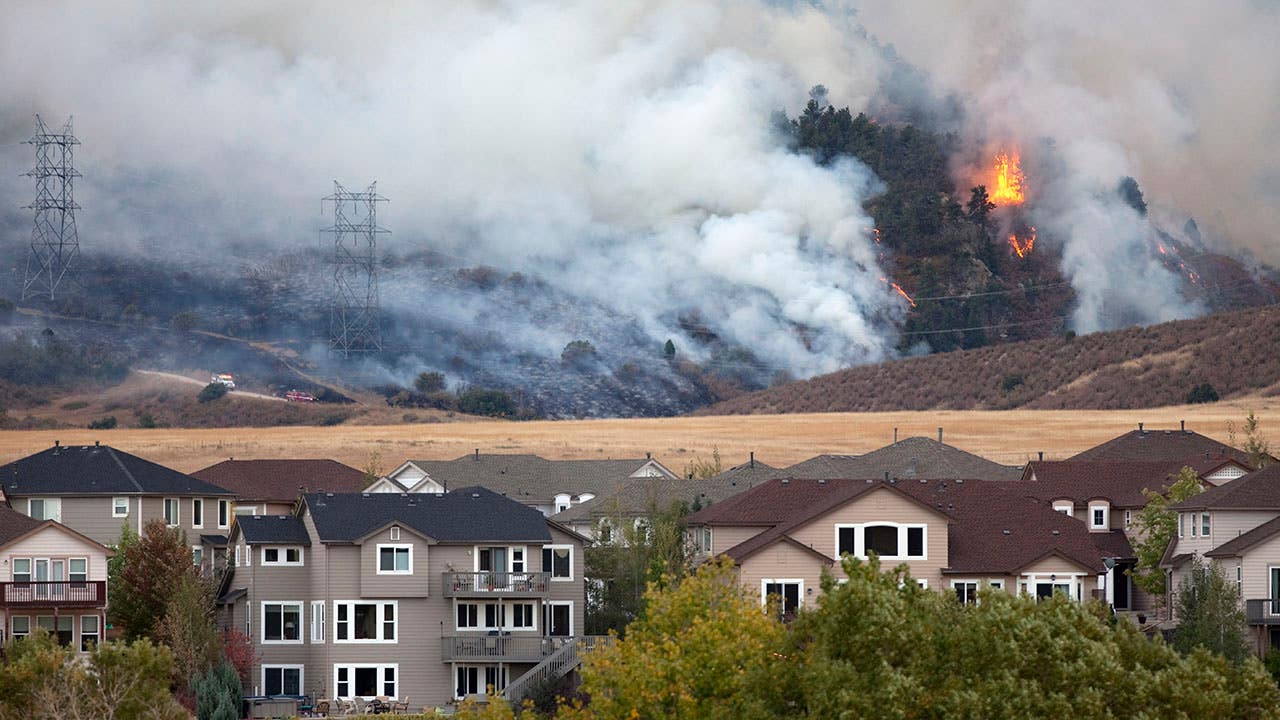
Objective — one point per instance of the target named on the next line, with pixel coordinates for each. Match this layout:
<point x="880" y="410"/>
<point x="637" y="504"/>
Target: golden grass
<point x="1012" y="436"/>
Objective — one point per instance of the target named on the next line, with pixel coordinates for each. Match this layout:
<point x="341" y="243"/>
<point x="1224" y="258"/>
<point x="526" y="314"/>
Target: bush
<point x="429" y="382"/>
<point x="333" y="419"/>
<point x="493" y="403"/>
<point x="75" y="405"/>
<point x="1202" y="393"/>
<point x="184" y="321"/>
<point x="103" y="423"/>
<point x="218" y="693"/>
<point x="578" y="351"/>
<point x="1010" y="382"/>
<point x="212" y="392"/>
<point x="147" y="421"/>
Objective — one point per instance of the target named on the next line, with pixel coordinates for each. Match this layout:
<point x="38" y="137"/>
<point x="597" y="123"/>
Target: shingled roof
<point x="1146" y="444"/>
<point x="638" y="496"/>
<point x="1258" y="490"/>
<point x="1120" y="482"/>
<point x="282" y="481"/>
<point x="531" y="478"/>
<point x="472" y="514"/>
<point x="96" y="470"/>
<point x="273" y="530"/>
<point x="14" y="524"/>
<point x="914" y="457"/>
<point x="1237" y="545"/>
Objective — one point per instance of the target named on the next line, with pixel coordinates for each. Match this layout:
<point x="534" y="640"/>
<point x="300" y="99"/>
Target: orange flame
<point x="1023" y="246"/>
<point x="903" y="293"/>
<point x="1008" y="180"/>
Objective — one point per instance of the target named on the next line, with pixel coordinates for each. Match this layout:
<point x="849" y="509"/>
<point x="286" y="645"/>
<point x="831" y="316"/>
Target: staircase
<point x="563" y="661"/>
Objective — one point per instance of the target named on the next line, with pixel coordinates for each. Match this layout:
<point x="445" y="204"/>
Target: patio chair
<point x="360" y="705"/>
<point x="400" y="707"/>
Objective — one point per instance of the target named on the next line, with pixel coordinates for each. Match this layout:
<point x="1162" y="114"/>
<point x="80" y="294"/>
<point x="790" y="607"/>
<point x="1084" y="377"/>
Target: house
<point x="272" y="487"/>
<point x="551" y="486"/>
<point x="634" y="500"/>
<point x="433" y="596"/>
<point x="1182" y="445"/>
<point x="913" y="457"/>
<point x="1236" y="526"/>
<point x="51" y="577"/>
<point x="955" y="535"/>
<point x="96" y="490"/>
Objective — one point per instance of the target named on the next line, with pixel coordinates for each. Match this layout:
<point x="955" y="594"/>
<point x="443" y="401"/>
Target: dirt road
<point x="192" y="381"/>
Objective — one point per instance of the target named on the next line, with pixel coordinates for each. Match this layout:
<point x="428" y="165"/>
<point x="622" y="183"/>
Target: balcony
<point x="1262" y="612"/>
<point x="490" y="584"/>
<point x="500" y="648"/>
<point x="62" y="594"/>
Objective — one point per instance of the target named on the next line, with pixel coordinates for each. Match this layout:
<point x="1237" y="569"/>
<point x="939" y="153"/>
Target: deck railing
<point x="473" y="584"/>
<point x="65" y="593"/>
<point x="1262" y="611"/>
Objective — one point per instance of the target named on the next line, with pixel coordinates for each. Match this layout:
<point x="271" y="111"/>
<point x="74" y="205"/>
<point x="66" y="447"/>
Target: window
<point x="365" y="681"/>
<point x="1194" y="525"/>
<point x="224" y="514"/>
<point x="1204" y="524"/>
<point x="237" y="556"/>
<point x="495" y="678"/>
<point x="364" y="622"/>
<point x="395" y="559"/>
<point x="846" y="541"/>
<point x="281" y="556"/>
<point x="468" y="616"/>
<point x="786" y="593"/>
<point x="45" y="509"/>
<point x="19" y="626"/>
<point x="1098" y="517"/>
<point x="1128" y="518"/>
<point x="171" y="516"/>
<point x="197" y="555"/>
<point x="22" y="570"/>
<point x="197" y="513"/>
<point x="966" y="591"/>
<point x="62" y="628"/>
<point x="119" y="507"/>
<point x="558" y="560"/>
<point x="317" y="622"/>
<point x="281" y="680"/>
<point x="522" y="616"/>
<point x="517" y="559"/>
<point x="495" y="615"/>
<point x="394" y="533"/>
<point x="245" y="510"/>
<point x="557" y="618"/>
<point x="88" y="632"/>
<point x="706" y="540"/>
<point x="282" y="622"/>
<point x="888" y="540"/>
<point x="915" y="542"/>
<point x="1064" y="507"/>
<point x="996" y="584"/>
<point x="78" y="570"/>
<point x="1240" y="580"/>
<point x="562" y="503"/>
<point x="1180" y="523"/>
<point x="468" y="682"/>
<point x="605" y="532"/>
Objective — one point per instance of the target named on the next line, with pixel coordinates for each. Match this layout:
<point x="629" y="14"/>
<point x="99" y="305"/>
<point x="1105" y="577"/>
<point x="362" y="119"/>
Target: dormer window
<point x="562" y="502"/>
<point x="1099" y="515"/>
<point x="1064" y="506"/>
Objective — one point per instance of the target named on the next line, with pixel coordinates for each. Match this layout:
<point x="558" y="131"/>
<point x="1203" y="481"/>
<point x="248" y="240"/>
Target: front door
<point x="1120" y="593"/>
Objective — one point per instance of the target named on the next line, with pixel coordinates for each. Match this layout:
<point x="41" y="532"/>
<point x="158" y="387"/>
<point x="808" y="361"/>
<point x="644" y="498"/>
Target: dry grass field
<point x="1006" y="436"/>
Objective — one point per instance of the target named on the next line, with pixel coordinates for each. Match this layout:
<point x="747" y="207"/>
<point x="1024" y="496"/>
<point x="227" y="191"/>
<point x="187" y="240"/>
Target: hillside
<point x="1132" y="368"/>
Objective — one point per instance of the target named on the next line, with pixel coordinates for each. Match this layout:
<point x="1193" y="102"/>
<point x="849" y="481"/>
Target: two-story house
<point x="955" y="535"/>
<point x="51" y="577"/>
<point x="272" y="487"/>
<point x="426" y="596"/>
<point x="97" y="490"/>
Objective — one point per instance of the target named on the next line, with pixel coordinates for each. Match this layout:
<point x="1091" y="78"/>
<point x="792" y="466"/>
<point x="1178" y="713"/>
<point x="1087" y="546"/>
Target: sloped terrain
<point x="1159" y="365"/>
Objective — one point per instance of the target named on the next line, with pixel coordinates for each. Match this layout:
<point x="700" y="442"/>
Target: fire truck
<point x="299" y="396"/>
<point x="224" y="379"/>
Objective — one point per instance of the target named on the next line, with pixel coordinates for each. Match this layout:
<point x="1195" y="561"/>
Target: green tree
<point x="493" y="403"/>
<point x="1131" y="194"/>
<point x="669" y="350"/>
<point x="217" y="693"/>
<point x="429" y="382"/>
<point x="152" y="569"/>
<point x="979" y="206"/>
<point x="1209" y="613"/>
<point x="635" y="555"/>
<point x="699" y="469"/>
<point x="1202" y="393"/>
<point x="184" y="321"/>
<point x="211" y="392"/>
<point x="189" y="631"/>
<point x="1155" y="526"/>
<point x="1258" y="447"/>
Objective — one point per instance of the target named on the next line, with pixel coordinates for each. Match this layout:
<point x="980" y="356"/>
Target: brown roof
<point x="1160" y="445"/>
<point x="1120" y="482"/>
<point x="1258" y="490"/>
<point x="14" y="524"/>
<point x="282" y="481"/>
<point x="1237" y="545"/>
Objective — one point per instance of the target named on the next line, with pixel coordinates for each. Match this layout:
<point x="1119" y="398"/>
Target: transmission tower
<point x="355" y="321"/>
<point x="55" y="247"/>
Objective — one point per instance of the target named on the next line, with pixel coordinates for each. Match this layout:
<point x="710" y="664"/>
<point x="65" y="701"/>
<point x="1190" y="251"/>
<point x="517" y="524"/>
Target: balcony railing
<point x="66" y="593"/>
<point x="484" y="584"/>
<point x="506" y="648"/>
<point x="1262" y="612"/>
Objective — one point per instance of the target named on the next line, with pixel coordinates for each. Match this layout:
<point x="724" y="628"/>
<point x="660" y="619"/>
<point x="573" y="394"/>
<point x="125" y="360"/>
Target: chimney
<point x="1041" y="456"/>
<point x="648" y="456"/>
<point x="477" y="453"/>
<point x="97" y="443"/>
<point x="1184" y="425"/>
<point x="1140" y="430"/>
<point x="752" y="461"/>
<point x="56" y="443"/>
<point x="895" y="436"/>
<point x="939" y="434"/>
<point x="886" y="476"/>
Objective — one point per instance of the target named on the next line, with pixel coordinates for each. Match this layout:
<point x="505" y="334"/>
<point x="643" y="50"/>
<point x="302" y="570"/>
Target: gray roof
<point x="273" y="530"/>
<point x="914" y="457"/>
<point x="639" y="496"/>
<point x="530" y="478"/>
<point x="470" y="514"/>
<point x="97" y="470"/>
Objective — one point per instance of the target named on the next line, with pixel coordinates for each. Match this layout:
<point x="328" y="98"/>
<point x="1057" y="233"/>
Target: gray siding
<point x="91" y="515"/>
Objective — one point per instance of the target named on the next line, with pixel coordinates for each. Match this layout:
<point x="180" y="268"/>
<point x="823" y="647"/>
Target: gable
<point x="51" y="538"/>
<point x="384" y="485"/>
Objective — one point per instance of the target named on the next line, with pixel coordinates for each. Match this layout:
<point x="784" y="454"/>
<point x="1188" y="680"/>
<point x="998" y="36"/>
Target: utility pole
<point x="355" y="318"/>
<point x="55" y="246"/>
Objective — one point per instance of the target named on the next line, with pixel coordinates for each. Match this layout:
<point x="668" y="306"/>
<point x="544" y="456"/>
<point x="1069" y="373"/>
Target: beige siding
<point x="1257" y="564"/>
<point x="51" y="542"/>
<point x="725" y="537"/>
<point x="784" y="561"/>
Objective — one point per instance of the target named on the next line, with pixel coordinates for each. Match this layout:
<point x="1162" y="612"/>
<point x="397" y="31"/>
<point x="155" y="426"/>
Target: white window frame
<point x="394" y="533"/>
<point x="262" y="616"/>
<point x="766" y="582"/>
<point x="1128" y="518"/>
<point x="197" y="503"/>
<point x="1240" y="579"/>
<point x="382" y="678"/>
<point x="1181" y="522"/>
<point x="475" y="552"/>
<point x="551" y="572"/>
<point x="46" y="503"/>
<point x="317" y="622"/>
<point x="479" y="613"/>
<point x="860" y="539"/>
<point x="248" y="510"/>
<point x="282" y="553"/>
<point x="563" y="501"/>
<point x="197" y="555"/>
<point x="708" y="537"/>
<point x="1073" y="581"/>
<point x="115" y="513"/>
<point x="546" y="616"/>
<point x="13" y="632"/>
<point x="1106" y="515"/>
<point x="394" y="547"/>
<point x="224" y="514"/>
<point x="96" y="634"/>
<point x="237" y="555"/>
<point x="302" y="677"/>
<point x="1065" y="507"/>
<point x="1206" y="524"/>
<point x="84" y="560"/>
<point x="380" y="624"/>
<point x="977" y="585"/>
<point x="511" y="620"/>
<point x="177" y="512"/>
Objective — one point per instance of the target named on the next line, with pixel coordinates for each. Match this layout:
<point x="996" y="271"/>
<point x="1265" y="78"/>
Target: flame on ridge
<point x="1008" y="180"/>
<point x="1022" y="246"/>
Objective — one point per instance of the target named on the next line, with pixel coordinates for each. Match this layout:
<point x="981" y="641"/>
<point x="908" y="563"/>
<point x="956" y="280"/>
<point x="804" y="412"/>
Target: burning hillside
<point x="1007" y="181"/>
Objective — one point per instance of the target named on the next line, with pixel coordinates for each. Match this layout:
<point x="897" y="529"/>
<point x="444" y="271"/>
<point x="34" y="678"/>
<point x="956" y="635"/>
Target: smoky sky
<point x="622" y="151"/>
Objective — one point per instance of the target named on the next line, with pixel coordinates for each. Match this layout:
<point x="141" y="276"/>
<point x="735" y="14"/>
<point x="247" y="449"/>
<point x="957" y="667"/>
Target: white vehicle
<point x="224" y="379"/>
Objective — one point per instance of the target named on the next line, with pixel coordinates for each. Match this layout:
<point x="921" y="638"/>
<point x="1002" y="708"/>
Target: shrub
<point x="217" y="693"/>
<point x="75" y="405"/>
<point x="333" y="419"/>
<point x="1010" y="382"/>
<point x="1202" y="393"/>
<point x="211" y="392"/>
<point x="103" y="423"/>
<point x="147" y="421"/>
<point x="184" y="321"/>
<point x="578" y="351"/>
<point x="429" y="382"/>
<point x="493" y="403"/>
